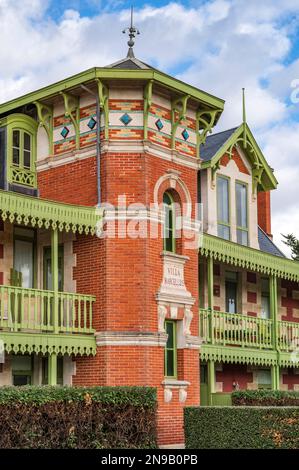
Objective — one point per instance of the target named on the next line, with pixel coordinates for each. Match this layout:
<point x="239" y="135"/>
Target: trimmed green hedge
<point x="265" y="398"/>
<point x="242" y="427"/>
<point x="78" y="417"/>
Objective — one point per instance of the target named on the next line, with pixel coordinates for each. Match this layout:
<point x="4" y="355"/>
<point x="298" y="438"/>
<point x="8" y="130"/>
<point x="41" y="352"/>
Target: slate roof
<point x="129" y="63"/>
<point x="214" y="143"/>
<point x="267" y="245"/>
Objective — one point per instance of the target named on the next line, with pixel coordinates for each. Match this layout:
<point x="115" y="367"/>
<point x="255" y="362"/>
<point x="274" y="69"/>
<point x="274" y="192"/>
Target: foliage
<point x="292" y="242"/>
<point x="265" y="398"/>
<point x="242" y="427"/>
<point x="77" y="417"/>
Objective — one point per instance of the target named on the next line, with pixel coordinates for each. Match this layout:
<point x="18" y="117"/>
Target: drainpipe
<point x="98" y="144"/>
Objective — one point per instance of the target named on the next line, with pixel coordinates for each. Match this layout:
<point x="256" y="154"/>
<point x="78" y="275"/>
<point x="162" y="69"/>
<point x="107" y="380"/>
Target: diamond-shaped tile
<point x="65" y="132"/>
<point x="92" y="123"/>
<point x="126" y="119"/>
<point x="159" y="124"/>
<point x="185" y="134"/>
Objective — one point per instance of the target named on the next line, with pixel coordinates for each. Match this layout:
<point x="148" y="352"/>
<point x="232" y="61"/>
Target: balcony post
<point x="52" y="369"/>
<point x="211" y="381"/>
<point x="210" y="276"/>
<point x="274" y="310"/>
<point x="54" y="263"/>
<point x="275" y="379"/>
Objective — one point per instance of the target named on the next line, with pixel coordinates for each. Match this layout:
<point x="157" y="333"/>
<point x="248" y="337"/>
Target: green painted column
<point x="274" y="310"/>
<point x="52" y="369"/>
<point x="275" y="377"/>
<point x="210" y="276"/>
<point x="54" y="271"/>
<point x="211" y="381"/>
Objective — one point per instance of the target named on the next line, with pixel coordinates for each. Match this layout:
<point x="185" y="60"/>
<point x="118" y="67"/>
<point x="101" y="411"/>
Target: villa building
<point x="105" y="276"/>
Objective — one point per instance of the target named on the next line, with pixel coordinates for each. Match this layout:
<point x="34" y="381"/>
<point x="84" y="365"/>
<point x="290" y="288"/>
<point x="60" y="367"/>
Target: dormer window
<point x="20" y="151"/>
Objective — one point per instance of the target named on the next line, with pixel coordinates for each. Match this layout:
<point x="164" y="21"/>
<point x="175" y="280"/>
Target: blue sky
<point x="219" y="46"/>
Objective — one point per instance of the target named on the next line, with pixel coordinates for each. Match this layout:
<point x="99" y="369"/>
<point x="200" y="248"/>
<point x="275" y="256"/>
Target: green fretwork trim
<point x="205" y="121"/>
<point x="235" y="355"/>
<point x="43" y="213"/>
<point x="90" y="75"/>
<point x="148" y="92"/>
<point x="249" y="258"/>
<point x="78" y="345"/>
<point x="287" y="359"/>
<point x="103" y="93"/>
<point x="262" y="175"/>
<point x="72" y="111"/>
<point x="45" y="117"/>
<point x="178" y="113"/>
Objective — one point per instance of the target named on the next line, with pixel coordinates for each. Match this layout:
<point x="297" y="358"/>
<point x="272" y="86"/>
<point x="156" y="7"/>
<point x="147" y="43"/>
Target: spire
<point x="132" y="31"/>
<point x="244" y="117"/>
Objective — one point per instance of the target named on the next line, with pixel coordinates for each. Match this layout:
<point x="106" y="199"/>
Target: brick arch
<point x="177" y="188"/>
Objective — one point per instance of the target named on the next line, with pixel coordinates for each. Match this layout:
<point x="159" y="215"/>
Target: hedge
<point x="265" y="398"/>
<point x="77" y="417"/>
<point x="242" y="427"/>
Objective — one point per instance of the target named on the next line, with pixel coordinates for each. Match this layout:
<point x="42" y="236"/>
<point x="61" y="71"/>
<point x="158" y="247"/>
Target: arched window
<point x="169" y="223"/>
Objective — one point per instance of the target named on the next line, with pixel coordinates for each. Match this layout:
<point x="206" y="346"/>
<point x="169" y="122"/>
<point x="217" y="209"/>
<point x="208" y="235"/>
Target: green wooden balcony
<point x="33" y="310"/>
<point x="227" y="329"/>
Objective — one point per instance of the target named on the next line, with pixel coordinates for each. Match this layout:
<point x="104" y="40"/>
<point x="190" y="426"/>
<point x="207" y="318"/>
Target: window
<point x="242" y="213"/>
<point x="169" y="223"/>
<point x="22" y="370"/>
<point x="231" y="292"/>
<point x="19" y="134"/>
<point x="170" y="350"/>
<point x="59" y="370"/>
<point x="265" y="298"/>
<point x="264" y="378"/>
<point x="24" y="256"/>
<point x="223" y="213"/>
<point x="48" y="268"/>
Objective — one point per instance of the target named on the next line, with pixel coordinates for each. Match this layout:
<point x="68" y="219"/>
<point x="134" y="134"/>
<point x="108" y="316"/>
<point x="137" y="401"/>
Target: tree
<point x="292" y="242"/>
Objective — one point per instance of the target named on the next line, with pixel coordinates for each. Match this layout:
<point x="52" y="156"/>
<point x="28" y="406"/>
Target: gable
<point x="224" y="146"/>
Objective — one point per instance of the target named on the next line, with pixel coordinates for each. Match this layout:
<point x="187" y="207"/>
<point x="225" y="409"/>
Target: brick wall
<point x="264" y="211"/>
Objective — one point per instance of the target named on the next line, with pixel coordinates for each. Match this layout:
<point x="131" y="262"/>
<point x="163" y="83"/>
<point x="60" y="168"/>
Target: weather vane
<point x="132" y="33"/>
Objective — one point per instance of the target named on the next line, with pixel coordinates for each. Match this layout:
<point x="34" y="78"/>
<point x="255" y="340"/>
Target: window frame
<point x="239" y="228"/>
<point x="173" y="230"/>
<point x="173" y="349"/>
<point x="221" y="222"/>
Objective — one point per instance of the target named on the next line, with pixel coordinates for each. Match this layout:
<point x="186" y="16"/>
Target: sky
<point x="219" y="46"/>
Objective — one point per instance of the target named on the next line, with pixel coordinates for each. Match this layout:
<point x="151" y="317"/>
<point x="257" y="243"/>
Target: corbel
<point x="256" y="177"/>
<point x="178" y="106"/>
<point x="103" y="93"/>
<point x="72" y="111"/>
<point x="148" y="93"/>
<point x="45" y="118"/>
<point x="205" y="121"/>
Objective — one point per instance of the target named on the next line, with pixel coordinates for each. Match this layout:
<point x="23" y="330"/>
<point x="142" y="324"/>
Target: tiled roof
<point x="214" y="143"/>
<point x="267" y="245"/>
<point x="129" y="63"/>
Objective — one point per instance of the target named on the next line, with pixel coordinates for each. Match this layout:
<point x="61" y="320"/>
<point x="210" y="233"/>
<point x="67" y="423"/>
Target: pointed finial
<point x="244" y="116"/>
<point x="132" y="33"/>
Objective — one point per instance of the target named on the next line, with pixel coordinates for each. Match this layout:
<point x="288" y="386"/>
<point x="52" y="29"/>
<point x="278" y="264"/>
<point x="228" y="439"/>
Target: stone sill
<point x="172" y="383"/>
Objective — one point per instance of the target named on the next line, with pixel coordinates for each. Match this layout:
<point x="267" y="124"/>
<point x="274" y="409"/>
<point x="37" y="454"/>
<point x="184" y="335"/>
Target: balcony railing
<point x="33" y="310"/>
<point x="227" y="329"/>
<point x="234" y="329"/>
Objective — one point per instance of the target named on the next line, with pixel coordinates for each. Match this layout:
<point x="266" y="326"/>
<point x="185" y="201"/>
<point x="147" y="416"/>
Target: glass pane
<point x="224" y="232"/>
<point x="21" y="363"/>
<point x="265" y="306"/>
<point x="27" y="159"/>
<point x="241" y="199"/>
<point x="170" y="363"/>
<point x="223" y="200"/>
<point x="27" y="142"/>
<point x="20" y="380"/>
<point x="16" y="139"/>
<point x="231" y="297"/>
<point x="24" y="232"/>
<point x="264" y="377"/>
<point x="23" y="261"/>
<point x="169" y="331"/>
<point x="169" y="223"/>
<point x="16" y="156"/>
<point x="242" y="237"/>
<point x="265" y="285"/>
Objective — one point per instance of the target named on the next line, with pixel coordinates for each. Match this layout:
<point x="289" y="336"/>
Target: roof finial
<point x="244" y="117"/>
<point x="132" y="33"/>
